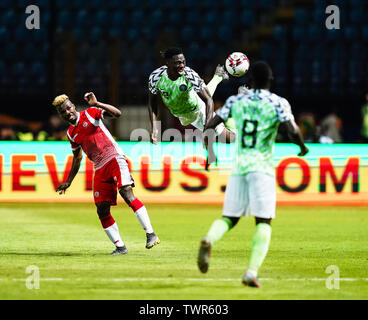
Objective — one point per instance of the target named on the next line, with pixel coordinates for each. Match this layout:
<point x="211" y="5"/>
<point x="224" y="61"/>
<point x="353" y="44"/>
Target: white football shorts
<point x="201" y="119"/>
<point x="253" y="193"/>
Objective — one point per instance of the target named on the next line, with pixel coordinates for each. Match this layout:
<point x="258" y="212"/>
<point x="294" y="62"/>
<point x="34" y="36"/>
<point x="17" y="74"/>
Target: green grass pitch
<point x="71" y="251"/>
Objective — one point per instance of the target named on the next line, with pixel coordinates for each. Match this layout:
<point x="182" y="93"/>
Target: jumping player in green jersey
<point x="251" y="187"/>
<point x="184" y="93"/>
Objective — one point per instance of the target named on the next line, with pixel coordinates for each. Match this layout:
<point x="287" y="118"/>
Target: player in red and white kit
<point x="88" y="133"/>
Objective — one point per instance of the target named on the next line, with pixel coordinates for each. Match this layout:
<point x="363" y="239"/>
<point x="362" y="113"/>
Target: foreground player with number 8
<point x="251" y="187"/>
<point x="88" y="133"/>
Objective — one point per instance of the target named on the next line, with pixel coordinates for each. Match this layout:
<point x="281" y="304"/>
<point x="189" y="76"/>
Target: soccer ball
<point x="237" y="64"/>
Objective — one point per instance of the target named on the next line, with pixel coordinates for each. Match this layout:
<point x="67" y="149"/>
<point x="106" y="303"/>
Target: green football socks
<point x="218" y="229"/>
<point x="260" y="243"/>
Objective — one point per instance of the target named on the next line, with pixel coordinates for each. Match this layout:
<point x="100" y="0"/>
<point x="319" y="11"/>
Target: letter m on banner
<point x="351" y="168"/>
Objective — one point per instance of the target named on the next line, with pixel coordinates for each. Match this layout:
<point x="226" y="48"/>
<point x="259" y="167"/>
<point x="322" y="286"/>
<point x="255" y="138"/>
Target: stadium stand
<point x="78" y="40"/>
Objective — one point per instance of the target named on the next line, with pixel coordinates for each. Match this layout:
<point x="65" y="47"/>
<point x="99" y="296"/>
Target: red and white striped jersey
<point x="93" y="137"/>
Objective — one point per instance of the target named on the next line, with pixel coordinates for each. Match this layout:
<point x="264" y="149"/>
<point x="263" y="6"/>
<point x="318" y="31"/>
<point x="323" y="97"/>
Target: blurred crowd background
<point x="110" y="47"/>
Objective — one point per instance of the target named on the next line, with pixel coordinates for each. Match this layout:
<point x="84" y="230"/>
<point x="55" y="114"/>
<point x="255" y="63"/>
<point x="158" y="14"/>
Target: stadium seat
<point x="173" y="18"/>
<point x="10" y="51"/>
<point x="248" y="5"/>
<point x="280" y="70"/>
<point x="206" y="33"/>
<point x="357" y="52"/>
<point x="247" y="18"/>
<point x="64" y="20"/>
<point x="315" y="33"/>
<point x="132" y="34"/>
<point x="79" y="34"/>
<point x="266" y="4"/>
<point x="4" y="35"/>
<point x="318" y="72"/>
<point x="357" y="4"/>
<point x="211" y="17"/>
<point x="194" y="51"/>
<point x="229" y="17"/>
<point x="319" y="51"/>
<point x="146" y="68"/>
<point x="187" y="34"/>
<point x="351" y="33"/>
<point x="82" y="19"/>
<point x="9" y="18"/>
<point x="266" y="51"/>
<point x="155" y="18"/>
<point x="339" y="53"/>
<point x="302" y="52"/>
<point x="102" y="19"/>
<point x="95" y="35"/>
<point x="117" y="19"/>
<point x="37" y="69"/>
<point x="365" y="33"/>
<point x="168" y="4"/>
<point x="63" y="5"/>
<point x="30" y="51"/>
<point x="223" y="33"/>
<point x="149" y="5"/>
<point x="136" y="18"/>
<point x="279" y="33"/>
<point x="333" y="35"/>
<point x="193" y="18"/>
<point x="187" y="4"/>
<point x="356" y="16"/>
<point x="18" y="69"/>
<point x="301" y="76"/>
<point x="5" y="4"/>
<point x="301" y="17"/>
<point x="298" y="33"/>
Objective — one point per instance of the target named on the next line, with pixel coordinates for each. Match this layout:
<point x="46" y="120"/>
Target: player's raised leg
<point x="219" y="76"/>
<point x="141" y="213"/>
<point x="110" y="227"/>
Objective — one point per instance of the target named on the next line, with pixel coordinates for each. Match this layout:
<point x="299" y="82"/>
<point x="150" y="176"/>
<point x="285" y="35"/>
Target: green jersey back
<point x="180" y="96"/>
<point x="257" y="115"/>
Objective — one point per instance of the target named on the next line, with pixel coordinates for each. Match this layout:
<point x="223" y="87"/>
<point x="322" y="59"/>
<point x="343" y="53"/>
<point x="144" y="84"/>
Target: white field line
<point x="187" y="279"/>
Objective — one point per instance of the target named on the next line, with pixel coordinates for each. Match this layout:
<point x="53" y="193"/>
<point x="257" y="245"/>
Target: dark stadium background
<point x="110" y="47"/>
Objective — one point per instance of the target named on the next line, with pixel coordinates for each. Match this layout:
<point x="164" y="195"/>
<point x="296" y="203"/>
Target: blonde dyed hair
<point x="59" y="100"/>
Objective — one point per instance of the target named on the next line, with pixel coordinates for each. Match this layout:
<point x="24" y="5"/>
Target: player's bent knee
<point x="127" y="194"/>
<point x="263" y="220"/>
<point x="231" y="221"/>
<point x="103" y="208"/>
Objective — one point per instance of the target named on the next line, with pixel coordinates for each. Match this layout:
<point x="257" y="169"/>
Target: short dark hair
<point x="260" y="75"/>
<point x="170" y="52"/>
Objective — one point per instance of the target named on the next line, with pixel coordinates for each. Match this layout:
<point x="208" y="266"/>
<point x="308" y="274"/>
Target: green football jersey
<point x="180" y="96"/>
<point x="257" y="115"/>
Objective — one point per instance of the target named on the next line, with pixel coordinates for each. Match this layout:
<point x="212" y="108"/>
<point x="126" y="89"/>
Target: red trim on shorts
<point x="107" y="221"/>
<point x="136" y="205"/>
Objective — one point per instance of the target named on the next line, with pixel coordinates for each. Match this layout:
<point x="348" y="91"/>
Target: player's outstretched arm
<point x="110" y="111"/>
<point x="152" y="110"/>
<point x="296" y="136"/>
<point x="77" y="158"/>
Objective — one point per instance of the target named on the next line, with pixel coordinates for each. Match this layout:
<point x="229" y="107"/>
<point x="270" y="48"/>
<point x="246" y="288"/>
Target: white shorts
<point x="201" y="119"/>
<point x="253" y="193"/>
